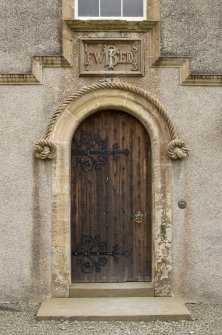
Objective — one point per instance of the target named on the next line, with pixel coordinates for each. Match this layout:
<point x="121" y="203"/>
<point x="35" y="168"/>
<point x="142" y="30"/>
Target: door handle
<point x="139" y="217"/>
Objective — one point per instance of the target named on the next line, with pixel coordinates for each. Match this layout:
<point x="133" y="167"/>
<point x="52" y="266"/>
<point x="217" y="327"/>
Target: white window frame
<point x="131" y="18"/>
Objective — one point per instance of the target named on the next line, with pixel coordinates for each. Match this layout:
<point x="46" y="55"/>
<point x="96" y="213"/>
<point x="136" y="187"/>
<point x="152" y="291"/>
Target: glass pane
<point x="132" y="8"/>
<point x="88" y="7"/>
<point x="110" y="8"/>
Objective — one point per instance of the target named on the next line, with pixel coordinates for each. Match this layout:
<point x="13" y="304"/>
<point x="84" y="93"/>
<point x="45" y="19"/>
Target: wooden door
<point x="111" y="200"/>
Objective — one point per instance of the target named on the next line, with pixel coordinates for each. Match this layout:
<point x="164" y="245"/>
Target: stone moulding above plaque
<point x="112" y="57"/>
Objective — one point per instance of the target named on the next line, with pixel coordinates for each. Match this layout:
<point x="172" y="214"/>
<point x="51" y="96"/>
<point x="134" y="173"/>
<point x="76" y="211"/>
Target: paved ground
<point x="20" y="319"/>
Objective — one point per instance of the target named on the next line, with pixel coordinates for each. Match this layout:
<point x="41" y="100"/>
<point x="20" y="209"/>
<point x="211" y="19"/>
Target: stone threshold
<point x="115" y="309"/>
<point x="96" y="290"/>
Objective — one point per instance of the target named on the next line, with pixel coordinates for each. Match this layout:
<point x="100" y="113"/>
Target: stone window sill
<point x="110" y="25"/>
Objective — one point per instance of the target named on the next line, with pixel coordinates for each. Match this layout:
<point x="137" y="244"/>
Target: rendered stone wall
<point x="28" y="28"/>
<point x="193" y="28"/>
<point x="25" y="200"/>
<point x="25" y="242"/>
<point x="197" y="249"/>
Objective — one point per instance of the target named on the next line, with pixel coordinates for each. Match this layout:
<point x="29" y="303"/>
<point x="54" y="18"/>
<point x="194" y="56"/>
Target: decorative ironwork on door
<point x="92" y="151"/>
<point x="92" y="253"/>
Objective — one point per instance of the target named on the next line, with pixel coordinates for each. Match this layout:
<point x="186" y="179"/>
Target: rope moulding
<point x="176" y="149"/>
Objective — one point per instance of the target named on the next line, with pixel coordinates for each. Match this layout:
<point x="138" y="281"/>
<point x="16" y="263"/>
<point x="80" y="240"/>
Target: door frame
<point x="150" y="113"/>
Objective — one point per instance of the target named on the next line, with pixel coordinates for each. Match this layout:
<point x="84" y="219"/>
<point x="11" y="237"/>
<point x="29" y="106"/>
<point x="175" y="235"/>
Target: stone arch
<point x="58" y="139"/>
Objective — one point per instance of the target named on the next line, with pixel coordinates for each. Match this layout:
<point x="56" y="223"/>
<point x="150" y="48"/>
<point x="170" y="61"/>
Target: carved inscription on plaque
<point x="111" y="57"/>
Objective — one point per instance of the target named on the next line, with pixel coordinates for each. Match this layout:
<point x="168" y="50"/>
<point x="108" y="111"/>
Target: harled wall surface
<point x="28" y="30"/>
<point x="193" y="28"/>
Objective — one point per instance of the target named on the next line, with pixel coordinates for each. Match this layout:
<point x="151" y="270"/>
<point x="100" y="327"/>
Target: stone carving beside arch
<point x="176" y="148"/>
<point x="163" y="136"/>
<point x="45" y="149"/>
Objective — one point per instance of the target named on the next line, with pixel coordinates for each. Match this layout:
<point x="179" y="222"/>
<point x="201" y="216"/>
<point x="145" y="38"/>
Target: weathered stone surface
<point x="124" y="309"/>
<point x="111" y="57"/>
<point x="99" y="290"/>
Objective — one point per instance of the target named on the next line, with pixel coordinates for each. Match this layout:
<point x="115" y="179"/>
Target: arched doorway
<point x="163" y="135"/>
<point x="111" y="200"/>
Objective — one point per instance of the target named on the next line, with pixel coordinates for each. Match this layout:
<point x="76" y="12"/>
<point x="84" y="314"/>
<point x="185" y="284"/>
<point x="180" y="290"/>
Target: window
<point x="111" y="9"/>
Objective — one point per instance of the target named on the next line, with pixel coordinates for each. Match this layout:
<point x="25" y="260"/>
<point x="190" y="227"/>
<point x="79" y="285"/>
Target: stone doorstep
<point x="96" y="290"/>
<point x="116" y="309"/>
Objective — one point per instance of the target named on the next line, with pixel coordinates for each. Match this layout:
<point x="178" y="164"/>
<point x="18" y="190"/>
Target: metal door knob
<point x="139" y="217"/>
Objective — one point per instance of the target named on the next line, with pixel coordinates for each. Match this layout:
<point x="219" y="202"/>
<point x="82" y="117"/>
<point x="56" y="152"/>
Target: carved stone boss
<point x="111" y="57"/>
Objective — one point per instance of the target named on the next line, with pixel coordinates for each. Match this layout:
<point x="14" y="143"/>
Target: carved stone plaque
<point x="111" y="57"/>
